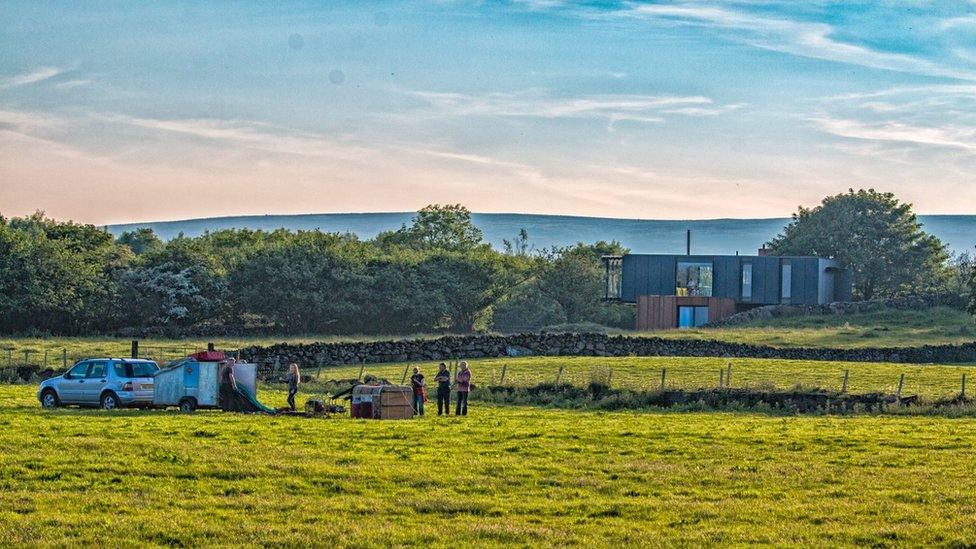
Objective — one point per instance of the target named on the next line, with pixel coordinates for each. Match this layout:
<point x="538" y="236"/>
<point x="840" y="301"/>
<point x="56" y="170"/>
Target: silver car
<point x="108" y="383"/>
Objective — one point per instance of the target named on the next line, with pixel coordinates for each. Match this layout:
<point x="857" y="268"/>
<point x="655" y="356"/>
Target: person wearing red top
<point x="462" y="382"/>
<point x="419" y="390"/>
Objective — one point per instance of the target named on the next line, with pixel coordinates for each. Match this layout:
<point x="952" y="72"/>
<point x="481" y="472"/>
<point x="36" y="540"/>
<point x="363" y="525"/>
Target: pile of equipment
<point x="382" y="402"/>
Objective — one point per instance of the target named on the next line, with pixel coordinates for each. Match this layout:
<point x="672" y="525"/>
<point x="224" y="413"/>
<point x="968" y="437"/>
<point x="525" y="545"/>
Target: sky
<point x="116" y="112"/>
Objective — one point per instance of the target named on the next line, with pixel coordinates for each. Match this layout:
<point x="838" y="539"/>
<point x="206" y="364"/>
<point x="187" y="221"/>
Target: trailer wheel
<point x="188" y="405"/>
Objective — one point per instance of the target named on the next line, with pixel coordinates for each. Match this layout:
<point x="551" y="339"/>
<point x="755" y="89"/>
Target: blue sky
<point x="115" y="112"/>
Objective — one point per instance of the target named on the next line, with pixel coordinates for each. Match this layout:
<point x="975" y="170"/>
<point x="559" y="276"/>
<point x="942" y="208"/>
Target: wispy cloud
<point x="936" y="136"/>
<point x="73" y="83"/>
<point x="37" y="75"/>
<point x="538" y="104"/>
<point x="248" y="134"/>
<point x="898" y="121"/>
<point x="802" y="38"/>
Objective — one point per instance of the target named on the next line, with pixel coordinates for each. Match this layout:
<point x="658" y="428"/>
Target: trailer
<point x="192" y="383"/>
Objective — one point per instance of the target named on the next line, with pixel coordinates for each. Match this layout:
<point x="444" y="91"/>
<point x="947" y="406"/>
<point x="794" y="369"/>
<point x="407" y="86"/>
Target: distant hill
<point x="725" y="236"/>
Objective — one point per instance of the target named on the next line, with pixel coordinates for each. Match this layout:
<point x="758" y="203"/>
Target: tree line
<point x="434" y="275"/>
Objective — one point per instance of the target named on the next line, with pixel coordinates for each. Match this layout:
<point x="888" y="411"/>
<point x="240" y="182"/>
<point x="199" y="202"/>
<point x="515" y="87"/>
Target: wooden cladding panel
<point x="660" y="312"/>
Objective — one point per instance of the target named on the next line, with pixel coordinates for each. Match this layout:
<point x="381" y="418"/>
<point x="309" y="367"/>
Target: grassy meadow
<point x="512" y="475"/>
<point x="890" y="328"/>
<point x="926" y="380"/>
<point x="881" y="329"/>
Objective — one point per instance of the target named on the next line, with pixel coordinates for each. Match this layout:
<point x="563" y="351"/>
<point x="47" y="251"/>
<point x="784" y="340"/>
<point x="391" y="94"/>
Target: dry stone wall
<point x="567" y="344"/>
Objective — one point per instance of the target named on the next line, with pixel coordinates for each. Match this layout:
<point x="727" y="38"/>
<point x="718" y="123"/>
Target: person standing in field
<point x="228" y="387"/>
<point x="419" y="391"/>
<point x="443" y="379"/>
<point x="294" y="380"/>
<point x="462" y="381"/>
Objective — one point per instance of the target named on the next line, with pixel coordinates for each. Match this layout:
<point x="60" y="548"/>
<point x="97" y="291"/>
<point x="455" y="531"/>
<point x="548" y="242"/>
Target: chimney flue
<point x="688" y="242"/>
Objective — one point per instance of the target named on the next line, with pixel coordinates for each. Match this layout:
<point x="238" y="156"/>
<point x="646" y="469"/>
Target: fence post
<point x="963" y="393"/>
<point x="559" y="375"/>
<point x="64" y="358"/>
<point x="728" y="375"/>
<point x="901" y="383"/>
<point x="843" y="388"/>
<point x="404" y="378"/>
<point x="504" y="369"/>
<point x="9" y="352"/>
<point x="45" y="358"/>
<point x="610" y="377"/>
<point x="664" y="373"/>
<point x="135" y="348"/>
<point x="721" y="378"/>
<point x="361" y="368"/>
<point x="26" y="360"/>
<point x="276" y="367"/>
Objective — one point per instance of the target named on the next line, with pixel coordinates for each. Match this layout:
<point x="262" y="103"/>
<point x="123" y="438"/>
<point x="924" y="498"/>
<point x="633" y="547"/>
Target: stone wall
<point x="479" y="346"/>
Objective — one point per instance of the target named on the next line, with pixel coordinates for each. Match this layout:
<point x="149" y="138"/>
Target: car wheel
<point x="188" y="405"/>
<point x="109" y="401"/>
<point x="49" y="399"/>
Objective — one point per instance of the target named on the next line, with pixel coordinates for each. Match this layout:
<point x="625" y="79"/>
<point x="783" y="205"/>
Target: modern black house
<point x="681" y="291"/>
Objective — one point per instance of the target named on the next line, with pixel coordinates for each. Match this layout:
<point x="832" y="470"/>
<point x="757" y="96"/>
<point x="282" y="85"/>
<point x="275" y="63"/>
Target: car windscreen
<point x="135" y="369"/>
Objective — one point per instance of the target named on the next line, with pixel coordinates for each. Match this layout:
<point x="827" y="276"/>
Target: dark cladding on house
<point x="683" y="291"/>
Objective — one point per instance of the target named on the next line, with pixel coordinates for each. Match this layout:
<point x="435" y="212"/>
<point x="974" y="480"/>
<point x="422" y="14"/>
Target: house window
<point x="690" y="317"/>
<point x="694" y="279"/>
<point x="747" y="281"/>
<point x="613" y="266"/>
<point x="786" y="282"/>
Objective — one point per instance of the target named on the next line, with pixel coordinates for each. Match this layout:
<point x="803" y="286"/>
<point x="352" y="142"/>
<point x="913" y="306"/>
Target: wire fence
<point x="636" y="373"/>
<point x="929" y="382"/>
<point x="55" y="358"/>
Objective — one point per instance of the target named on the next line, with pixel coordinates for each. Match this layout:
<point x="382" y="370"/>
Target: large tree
<point x="574" y="278"/>
<point x="140" y="241"/>
<point x="314" y="283"/>
<point x="879" y="238"/>
<point x="56" y="277"/>
<point x="437" y="227"/>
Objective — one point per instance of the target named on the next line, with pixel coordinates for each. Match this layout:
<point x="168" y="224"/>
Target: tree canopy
<point x="435" y="274"/>
<point x="879" y="238"/>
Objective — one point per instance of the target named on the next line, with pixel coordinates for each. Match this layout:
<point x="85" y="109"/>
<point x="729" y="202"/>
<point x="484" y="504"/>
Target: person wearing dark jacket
<point x="443" y="379"/>
<point x="462" y="382"/>
<point x="294" y="379"/>
<point x="228" y="387"/>
<point x="419" y="391"/>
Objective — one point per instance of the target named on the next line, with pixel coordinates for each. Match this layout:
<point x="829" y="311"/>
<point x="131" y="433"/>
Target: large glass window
<point x="614" y="266"/>
<point x="694" y="278"/>
<point x="786" y="280"/>
<point x="747" y="281"/>
<point x="689" y="317"/>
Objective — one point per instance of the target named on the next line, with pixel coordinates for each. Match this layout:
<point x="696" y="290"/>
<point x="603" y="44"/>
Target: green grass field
<point x="928" y="381"/>
<point x="893" y="328"/>
<point x="520" y="476"/>
<point x="884" y="329"/>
